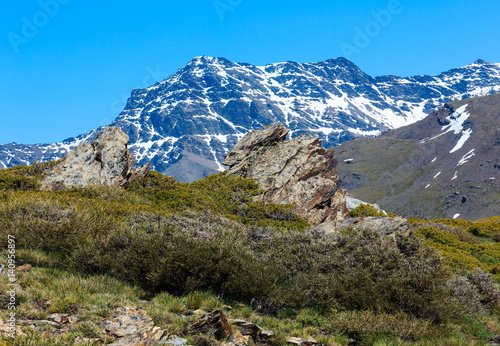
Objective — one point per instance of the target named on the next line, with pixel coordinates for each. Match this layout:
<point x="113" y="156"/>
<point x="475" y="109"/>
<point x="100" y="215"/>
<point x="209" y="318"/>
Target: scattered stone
<point x="214" y="323"/>
<point x="297" y="171"/>
<point x="238" y="339"/>
<point x="302" y="342"/>
<point x="258" y="334"/>
<point x="6" y="328"/>
<point x="174" y="342"/>
<point x="41" y="323"/>
<point x="126" y="321"/>
<point x="82" y="340"/>
<point x="133" y="326"/>
<point x="64" y="318"/>
<point x="105" y="161"/>
<point x="60" y="318"/>
<point x="388" y="226"/>
<point x="153" y="336"/>
<point x="24" y="268"/>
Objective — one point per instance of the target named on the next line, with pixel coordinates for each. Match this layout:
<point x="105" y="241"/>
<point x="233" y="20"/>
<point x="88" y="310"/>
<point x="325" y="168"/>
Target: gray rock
<point x="249" y="330"/>
<point x="64" y="318"/>
<point x="214" y="323"/>
<point x="297" y="171"/>
<point x="302" y="342"/>
<point x="105" y="161"/>
<point x="133" y="326"/>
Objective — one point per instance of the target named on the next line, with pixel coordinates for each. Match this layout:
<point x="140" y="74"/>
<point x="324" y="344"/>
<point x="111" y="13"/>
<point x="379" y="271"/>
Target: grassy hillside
<point x="414" y="170"/>
<point x="173" y="247"/>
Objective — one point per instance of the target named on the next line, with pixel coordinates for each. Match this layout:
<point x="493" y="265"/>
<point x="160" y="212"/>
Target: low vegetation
<point x="173" y="248"/>
<point x="367" y="210"/>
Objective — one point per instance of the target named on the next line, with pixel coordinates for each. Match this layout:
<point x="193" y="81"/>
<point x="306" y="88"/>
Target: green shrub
<point x="462" y="256"/>
<point x="50" y="225"/>
<point x="487" y="288"/>
<point x="366" y="210"/>
<point x="24" y="177"/>
<point x="467" y="294"/>
<point x="361" y="270"/>
<point x="180" y="258"/>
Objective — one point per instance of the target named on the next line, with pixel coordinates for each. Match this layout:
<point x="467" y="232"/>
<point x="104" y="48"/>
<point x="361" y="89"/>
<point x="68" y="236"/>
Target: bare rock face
<point x="297" y="171"/>
<point x="105" y="161"/>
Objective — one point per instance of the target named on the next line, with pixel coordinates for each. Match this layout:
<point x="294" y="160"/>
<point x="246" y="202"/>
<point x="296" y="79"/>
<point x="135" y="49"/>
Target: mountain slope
<point x="186" y="124"/>
<point x="447" y="164"/>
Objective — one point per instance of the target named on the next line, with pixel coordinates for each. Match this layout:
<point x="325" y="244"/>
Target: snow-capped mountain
<point x="187" y="123"/>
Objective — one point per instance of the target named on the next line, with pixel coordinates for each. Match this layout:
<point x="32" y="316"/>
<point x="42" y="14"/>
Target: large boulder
<point x="297" y="171"/>
<point x="105" y="161"/>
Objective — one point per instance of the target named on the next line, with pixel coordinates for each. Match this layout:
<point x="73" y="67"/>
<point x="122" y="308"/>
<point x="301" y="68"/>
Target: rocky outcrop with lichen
<point x="297" y="171"/>
<point x="105" y="161"/>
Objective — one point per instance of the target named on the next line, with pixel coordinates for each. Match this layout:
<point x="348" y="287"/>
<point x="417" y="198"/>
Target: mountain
<point x="446" y="165"/>
<point x="186" y="124"/>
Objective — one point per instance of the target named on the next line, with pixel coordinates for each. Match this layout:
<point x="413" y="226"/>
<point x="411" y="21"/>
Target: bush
<point x="467" y="294"/>
<point x="361" y="270"/>
<point x="179" y="257"/>
<point x="462" y="256"/>
<point x="24" y="178"/>
<point x="487" y="288"/>
<point x="462" y="233"/>
<point x="366" y="210"/>
<point x="51" y="225"/>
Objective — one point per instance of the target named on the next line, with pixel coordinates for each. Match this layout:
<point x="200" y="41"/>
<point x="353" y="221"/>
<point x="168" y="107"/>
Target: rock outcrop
<point x="297" y="171"/>
<point x="105" y="161"/>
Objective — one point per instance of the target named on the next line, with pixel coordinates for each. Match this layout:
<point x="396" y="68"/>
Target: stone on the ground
<point x="302" y="342"/>
<point x="24" y="268"/>
<point x="257" y="334"/>
<point x="214" y="323"/>
<point x="133" y="326"/>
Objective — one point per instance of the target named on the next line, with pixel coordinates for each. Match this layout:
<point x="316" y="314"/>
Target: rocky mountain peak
<point x="298" y="171"/>
<point x="187" y="123"/>
<point x="105" y="161"/>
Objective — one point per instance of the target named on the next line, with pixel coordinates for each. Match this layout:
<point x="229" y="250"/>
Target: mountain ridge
<point x="445" y="165"/>
<point x="187" y="123"/>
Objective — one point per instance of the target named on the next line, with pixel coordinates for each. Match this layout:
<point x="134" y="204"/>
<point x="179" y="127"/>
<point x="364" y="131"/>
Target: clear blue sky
<point x="77" y="65"/>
